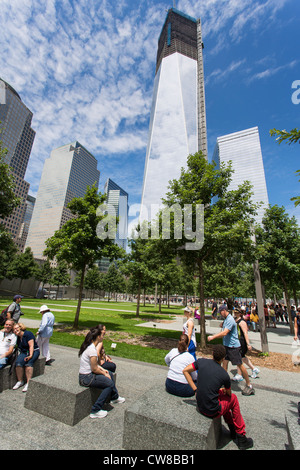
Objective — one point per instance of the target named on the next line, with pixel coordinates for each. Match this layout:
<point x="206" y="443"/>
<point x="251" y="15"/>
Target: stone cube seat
<point x="160" y="421"/>
<point x="59" y="396"/>
<point x="8" y="378"/>
<point x="293" y="429"/>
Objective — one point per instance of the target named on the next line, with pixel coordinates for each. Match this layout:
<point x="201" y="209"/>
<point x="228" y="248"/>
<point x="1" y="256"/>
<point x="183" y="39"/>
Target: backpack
<point x="3" y="316"/>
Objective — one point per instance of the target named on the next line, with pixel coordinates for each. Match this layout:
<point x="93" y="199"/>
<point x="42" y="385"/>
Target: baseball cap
<point x="223" y="307"/>
<point x="17" y="296"/>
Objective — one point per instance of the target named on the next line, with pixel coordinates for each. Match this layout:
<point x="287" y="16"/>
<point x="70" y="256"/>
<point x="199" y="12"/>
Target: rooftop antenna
<point x="174" y="3"/>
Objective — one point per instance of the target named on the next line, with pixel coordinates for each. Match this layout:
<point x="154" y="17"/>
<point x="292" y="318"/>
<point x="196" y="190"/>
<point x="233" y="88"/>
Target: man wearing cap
<point x="14" y="310"/>
<point x="45" y="332"/>
<point x="232" y="344"/>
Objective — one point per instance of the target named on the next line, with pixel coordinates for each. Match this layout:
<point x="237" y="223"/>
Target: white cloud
<point x="272" y="71"/>
<point x="86" y="69"/>
<point x="220" y="74"/>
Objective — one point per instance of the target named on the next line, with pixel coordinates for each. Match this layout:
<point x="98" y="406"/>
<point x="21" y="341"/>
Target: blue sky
<point x="85" y="68"/>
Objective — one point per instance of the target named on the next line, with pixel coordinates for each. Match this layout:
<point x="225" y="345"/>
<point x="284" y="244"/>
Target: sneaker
<point x="237" y="378"/>
<point x="248" y="390"/>
<point x="255" y="373"/>
<point x="118" y="400"/>
<point x="18" y="385"/>
<point x="25" y="388"/>
<point x="98" y="414"/>
<point x="244" y="442"/>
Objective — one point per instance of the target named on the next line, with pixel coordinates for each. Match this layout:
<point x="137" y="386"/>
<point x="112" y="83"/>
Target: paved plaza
<point x="277" y="392"/>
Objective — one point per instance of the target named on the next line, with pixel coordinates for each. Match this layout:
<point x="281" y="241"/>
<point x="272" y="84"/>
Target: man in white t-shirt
<point x="7" y="342"/>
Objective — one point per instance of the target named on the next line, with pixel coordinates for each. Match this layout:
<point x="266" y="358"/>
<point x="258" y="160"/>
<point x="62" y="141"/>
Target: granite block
<point x="160" y="421"/>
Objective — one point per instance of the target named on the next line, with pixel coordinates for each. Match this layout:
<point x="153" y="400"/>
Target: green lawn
<point x="118" y="317"/>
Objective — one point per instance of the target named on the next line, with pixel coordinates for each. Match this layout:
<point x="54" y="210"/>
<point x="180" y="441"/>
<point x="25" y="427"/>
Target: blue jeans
<point x="3" y="362"/>
<point x="100" y="381"/>
<point x="20" y="362"/>
<point x="179" y="389"/>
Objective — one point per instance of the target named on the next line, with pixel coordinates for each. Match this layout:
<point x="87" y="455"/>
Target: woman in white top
<point x="177" y="359"/>
<point x="91" y="374"/>
<point x="189" y="330"/>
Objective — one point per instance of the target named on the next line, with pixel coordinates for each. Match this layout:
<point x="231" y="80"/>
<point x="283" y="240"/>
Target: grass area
<point x="118" y="317"/>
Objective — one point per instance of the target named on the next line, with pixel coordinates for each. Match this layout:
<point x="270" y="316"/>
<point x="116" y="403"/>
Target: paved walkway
<point x="279" y="338"/>
<point x="276" y="393"/>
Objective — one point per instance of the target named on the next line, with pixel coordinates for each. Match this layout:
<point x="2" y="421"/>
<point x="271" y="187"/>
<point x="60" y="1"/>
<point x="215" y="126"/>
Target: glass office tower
<point x="17" y="137"/>
<point x="117" y="198"/>
<point x="244" y="150"/>
<point x="178" y="115"/>
<point x="66" y="174"/>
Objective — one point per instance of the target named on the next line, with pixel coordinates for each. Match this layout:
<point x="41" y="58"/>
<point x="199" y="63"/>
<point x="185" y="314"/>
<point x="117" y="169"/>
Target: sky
<point x="86" y="68"/>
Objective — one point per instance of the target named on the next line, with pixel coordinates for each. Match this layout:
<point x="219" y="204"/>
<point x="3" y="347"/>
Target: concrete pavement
<point x="277" y="392"/>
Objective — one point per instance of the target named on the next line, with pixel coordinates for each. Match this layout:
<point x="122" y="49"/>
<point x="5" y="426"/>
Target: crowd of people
<point x="206" y="379"/>
<point x="19" y="347"/>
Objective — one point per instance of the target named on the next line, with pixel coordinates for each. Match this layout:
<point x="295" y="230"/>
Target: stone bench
<point x="293" y="429"/>
<point x="59" y="396"/>
<point x="8" y="377"/>
<point x="160" y="421"/>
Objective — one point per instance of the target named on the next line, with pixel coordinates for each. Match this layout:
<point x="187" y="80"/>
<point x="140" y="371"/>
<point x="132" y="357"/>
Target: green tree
<point x="60" y="275"/>
<point x="44" y="273"/>
<point x="228" y="217"/>
<point x="23" y="266"/>
<point x="136" y="266"/>
<point x="8" y="203"/>
<point x="278" y="251"/>
<point x="78" y="242"/>
<point x="8" y="200"/>
<point x="94" y="280"/>
<point x="291" y="137"/>
<point x="114" y="281"/>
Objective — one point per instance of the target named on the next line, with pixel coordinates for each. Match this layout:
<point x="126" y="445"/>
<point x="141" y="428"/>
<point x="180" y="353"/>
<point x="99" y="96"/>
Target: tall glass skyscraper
<point x="17" y="136"/>
<point x="243" y="149"/>
<point x="66" y="174"/>
<point x="178" y="115"/>
<point x="117" y="199"/>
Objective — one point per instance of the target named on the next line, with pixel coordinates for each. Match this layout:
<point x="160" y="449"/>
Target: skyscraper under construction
<point x="178" y="114"/>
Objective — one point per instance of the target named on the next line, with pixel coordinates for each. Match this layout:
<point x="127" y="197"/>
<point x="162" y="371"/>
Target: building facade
<point x="117" y="200"/>
<point x="66" y="174"/>
<point x="17" y="137"/>
<point x="243" y="149"/>
<point x="178" y="116"/>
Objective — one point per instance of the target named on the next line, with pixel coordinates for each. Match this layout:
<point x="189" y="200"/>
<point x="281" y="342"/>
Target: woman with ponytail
<point x="91" y="374"/>
<point x="177" y="359"/>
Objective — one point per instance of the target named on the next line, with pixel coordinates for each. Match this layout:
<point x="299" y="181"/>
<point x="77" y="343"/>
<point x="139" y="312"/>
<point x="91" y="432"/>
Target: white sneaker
<point x="25" y="388"/>
<point x="98" y="414"/>
<point x="237" y="378"/>
<point x="118" y="400"/>
<point x="18" y="385"/>
<point x="255" y="373"/>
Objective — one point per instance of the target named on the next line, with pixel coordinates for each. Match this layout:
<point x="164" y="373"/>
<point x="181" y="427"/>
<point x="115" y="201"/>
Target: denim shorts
<point x="21" y="359"/>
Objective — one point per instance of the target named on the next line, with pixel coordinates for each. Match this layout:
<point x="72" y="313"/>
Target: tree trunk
<point x="57" y="292"/>
<point x="202" y="307"/>
<point x="288" y="304"/>
<point x="79" y="298"/>
<point x="159" y="306"/>
<point x="138" y="299"/>
<point x="260" y="308"/>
